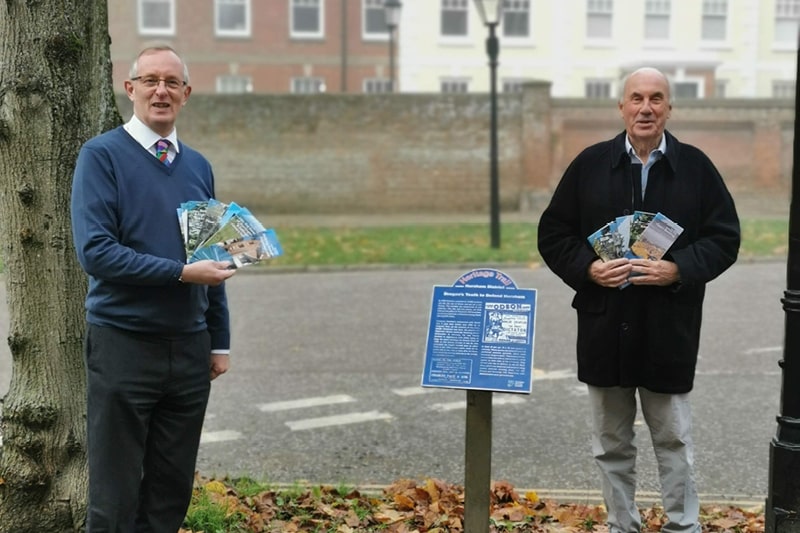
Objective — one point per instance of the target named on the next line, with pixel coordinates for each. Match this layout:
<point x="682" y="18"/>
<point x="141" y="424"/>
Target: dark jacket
<point x="641" y="335"/>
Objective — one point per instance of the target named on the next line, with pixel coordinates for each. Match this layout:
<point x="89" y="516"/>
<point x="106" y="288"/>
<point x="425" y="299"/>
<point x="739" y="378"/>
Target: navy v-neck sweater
<point x="127" y="237"/>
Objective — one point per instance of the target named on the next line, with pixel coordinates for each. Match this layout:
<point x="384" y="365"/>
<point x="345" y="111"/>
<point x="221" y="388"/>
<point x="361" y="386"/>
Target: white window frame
<point x="306" y="82"/>
<point x="454" y="85"/>
<point x="594" y="85"/>
<point x="222" y="32"/>
<point x="376" y="85"/>
<point x="697" y="82"/>
<point x="656" y="12"/>
<point x="320" y="33"/>
<point x="156" y="31"/>
<point x="455" y="6"/>
<point x="376" y="5"/>
<point x="519" y="7"/>
<point x="223" y="81"/>
<point x="513" y="85"/>
<point x="714" y="11"/>
<point x="596" y="9"/>
<point x="784" y="89"/>
<point x="786" y="11"/>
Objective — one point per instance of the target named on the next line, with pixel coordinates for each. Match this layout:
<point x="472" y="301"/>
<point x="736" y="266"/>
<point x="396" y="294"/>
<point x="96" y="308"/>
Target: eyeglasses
<point x="151" y="82"/>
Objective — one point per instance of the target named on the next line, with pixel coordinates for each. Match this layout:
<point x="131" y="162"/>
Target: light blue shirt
<point x="654" y="156"/>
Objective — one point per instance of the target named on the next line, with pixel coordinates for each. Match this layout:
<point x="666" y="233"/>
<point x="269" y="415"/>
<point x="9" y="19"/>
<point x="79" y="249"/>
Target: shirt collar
<point x="662" y="146"/>
<point x="147" y="137"/>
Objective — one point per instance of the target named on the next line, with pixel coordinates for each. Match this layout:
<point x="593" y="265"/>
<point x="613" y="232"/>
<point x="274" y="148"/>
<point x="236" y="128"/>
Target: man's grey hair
<point x="134" y="70"/>
<point x="625" y="79"/>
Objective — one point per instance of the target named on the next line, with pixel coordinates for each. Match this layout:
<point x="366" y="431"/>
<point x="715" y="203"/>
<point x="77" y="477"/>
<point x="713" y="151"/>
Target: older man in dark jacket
<point x="639" y="319"/>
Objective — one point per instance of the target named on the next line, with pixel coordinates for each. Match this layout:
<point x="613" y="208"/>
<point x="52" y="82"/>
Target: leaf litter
<point x="429" y="506"/>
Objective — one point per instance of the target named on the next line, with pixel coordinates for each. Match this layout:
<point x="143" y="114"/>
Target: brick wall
<point x="430" y="152"/>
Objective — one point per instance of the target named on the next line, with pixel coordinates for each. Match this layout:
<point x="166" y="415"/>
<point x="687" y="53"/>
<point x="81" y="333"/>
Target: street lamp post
<point x="392" y="12"/>
<point x="783" y="497"/>
<point x="491" y="15"/>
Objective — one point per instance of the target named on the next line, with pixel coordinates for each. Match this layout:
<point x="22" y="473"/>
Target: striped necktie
<point x="162" y="149"/>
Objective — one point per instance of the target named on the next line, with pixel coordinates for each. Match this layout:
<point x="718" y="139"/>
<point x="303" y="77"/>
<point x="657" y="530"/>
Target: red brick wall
<point x="430" y="153"/>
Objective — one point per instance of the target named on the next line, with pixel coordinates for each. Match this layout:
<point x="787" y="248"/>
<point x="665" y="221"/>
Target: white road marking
<point x="462" y="404"/>
<point x="542" y="375"/>
<point x="304" y="402"/>
<point x="337" y="420"/>
<point x="768" y="349"/>
<point x="413" y="391"/>
<point x="219" y="436"/>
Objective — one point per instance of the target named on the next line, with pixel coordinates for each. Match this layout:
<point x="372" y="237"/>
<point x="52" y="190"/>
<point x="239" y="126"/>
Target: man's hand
<point x="219" y="365"/>
<point x="610" y="273"/>
<point x="207" y="272"/>
<point x="649" y="272"/>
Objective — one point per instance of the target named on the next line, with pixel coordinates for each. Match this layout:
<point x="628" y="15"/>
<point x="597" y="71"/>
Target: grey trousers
<point x="669" y="419"/>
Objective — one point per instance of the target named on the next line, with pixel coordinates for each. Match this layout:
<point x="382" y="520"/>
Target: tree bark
<point x="55" y="93"/>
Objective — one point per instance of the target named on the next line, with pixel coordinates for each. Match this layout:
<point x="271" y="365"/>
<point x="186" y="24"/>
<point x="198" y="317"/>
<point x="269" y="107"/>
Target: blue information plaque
<point x="480" y="334"/>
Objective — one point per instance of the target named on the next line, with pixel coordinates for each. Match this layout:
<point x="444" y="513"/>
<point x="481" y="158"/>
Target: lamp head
<point x="490" y="11"/>
<point x="391" y="9"/>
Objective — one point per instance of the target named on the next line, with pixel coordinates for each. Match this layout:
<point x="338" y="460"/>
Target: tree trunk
<point x="55" y="93"/>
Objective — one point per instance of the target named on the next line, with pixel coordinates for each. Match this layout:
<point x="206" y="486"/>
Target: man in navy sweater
<point x="158" y="329"/>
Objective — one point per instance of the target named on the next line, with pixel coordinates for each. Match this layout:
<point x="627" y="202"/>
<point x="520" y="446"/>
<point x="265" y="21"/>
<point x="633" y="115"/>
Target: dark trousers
<point x="146" y="400"/>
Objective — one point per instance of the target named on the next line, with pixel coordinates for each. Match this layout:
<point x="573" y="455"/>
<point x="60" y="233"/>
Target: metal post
<point x="478" y="462"/>
<point x="783" y="496"/>
<point x="493" y="50"/>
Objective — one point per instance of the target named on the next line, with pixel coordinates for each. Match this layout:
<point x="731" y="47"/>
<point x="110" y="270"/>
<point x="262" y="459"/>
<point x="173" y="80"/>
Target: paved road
<point x="326" y="368"/>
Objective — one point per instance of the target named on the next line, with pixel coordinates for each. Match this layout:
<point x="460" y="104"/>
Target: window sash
<point x="157" y="17"/>
<point x="233" y="17"/>
<point x="516" y="18"/>
<point x="597" y="89"/>
<point x="454" y="86"/>
<point x="454" y="18"/>
<point x="306" y="18"/>
<point x="377" y="85"/>
<point x="307" y="85"/>
<point x="234" y="84"/>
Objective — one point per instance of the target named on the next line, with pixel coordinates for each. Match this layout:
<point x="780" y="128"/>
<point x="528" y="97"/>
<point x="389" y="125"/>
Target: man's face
<point x="158" y="93"/>
<point x="645" y="107"/>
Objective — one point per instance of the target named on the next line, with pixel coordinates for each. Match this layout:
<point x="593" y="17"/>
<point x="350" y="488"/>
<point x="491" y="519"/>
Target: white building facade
<point x="708" y="48"/>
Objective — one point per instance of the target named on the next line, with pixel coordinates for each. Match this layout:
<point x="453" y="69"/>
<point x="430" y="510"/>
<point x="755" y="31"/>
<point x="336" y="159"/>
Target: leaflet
<point x="225" y="232"/>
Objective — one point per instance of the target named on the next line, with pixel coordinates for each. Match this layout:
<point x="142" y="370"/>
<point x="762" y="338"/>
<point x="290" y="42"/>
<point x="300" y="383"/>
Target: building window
<point x="306" y="18"/>
<point x="686" y="90"/>
<point x="596" y="88"/>
<point x="783" y="89"/>
<point x="516" y="18"/>
<point x="513" y="85"/>
<point x="233" y="84"/>
<point x="454" y="18"/>
<point x="454" y="86"/>
<point x="715" y="20"/>
<point x="787" y="15"/>
<point x="308" y="85"/>
<point x="598" y="18"/>
<point x="232" y="17"/>
<point x="656" y="19"/>
<point x="721" y="88"/>
<point x="377" y="85"/>
<point x="157" y="17"/>
<point x="374" y="19"/>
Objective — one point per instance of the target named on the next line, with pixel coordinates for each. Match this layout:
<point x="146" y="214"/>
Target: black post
<point x="493" y="49"/>
<point x="783" y="497"/>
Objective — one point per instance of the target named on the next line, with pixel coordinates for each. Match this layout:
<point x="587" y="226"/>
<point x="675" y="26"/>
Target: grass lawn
<point x="462" y="243"/>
